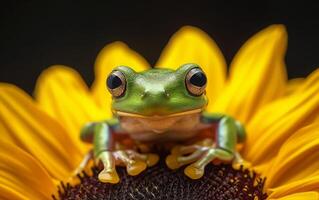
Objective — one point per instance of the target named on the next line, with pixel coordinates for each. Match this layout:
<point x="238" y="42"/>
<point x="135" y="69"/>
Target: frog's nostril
<point x="143" y="95"/>
<point x="167" y="95"/>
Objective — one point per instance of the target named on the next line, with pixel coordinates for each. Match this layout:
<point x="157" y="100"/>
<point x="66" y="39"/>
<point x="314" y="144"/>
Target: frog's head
<point x="157" y="93"/>
<point x="158" y="99"/>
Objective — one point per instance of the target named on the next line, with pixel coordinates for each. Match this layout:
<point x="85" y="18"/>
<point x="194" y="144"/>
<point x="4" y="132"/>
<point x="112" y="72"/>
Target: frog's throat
<point x="126" y="114"/>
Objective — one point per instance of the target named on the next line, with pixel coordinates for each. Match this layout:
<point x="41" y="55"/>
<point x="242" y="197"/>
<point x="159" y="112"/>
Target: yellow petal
<point x="313" y="78"/>
<point x="300" y="196"/>
<point x="9" y="193"/>
<point x="277" y="121"/>
<point x="21" y="176"/>
<point x="5" y="134"/>
<point x="298" y="157"/>
<point x="37" y="133"/>
<point x="111" y="56"/>
<point x="63" y="94"/>
<point x="257" y="74"/>
<point x="192" y="45"/>
<point x="293" y="85"/>
<point x="306" y="184"/>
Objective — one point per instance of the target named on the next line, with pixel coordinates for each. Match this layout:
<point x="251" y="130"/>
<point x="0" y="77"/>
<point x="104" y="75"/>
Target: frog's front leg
<point x="105" y="152"/>
<point x="228" y="133"/>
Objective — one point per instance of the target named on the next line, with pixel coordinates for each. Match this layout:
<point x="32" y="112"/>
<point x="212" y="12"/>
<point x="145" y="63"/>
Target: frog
<point x="161" y="106"/>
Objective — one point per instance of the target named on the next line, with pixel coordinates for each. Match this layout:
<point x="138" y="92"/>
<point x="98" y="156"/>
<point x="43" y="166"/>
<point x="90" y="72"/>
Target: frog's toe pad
<point x="171" y="162"/>
<point x="152" y="159"/>
<point x="176" y="150"/>
<point x="136" y="168"/>
<point x="243" y="164"/>
<point x="108" y="177"/>
<point x="193" y="172"/>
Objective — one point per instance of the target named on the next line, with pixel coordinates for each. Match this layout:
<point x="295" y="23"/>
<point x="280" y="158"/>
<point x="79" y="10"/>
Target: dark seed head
<point x="160" y="183"/>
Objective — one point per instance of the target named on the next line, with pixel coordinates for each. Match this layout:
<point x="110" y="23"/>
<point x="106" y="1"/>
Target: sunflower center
<point x="159" y="182"/>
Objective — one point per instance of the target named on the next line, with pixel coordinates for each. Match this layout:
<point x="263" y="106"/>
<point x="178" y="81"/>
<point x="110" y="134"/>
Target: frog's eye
<point x="116" y="83"/>
<point x="196" y="81"/>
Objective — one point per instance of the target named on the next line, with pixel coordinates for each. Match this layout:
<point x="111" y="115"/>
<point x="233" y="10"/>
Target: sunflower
<point x="40" y="145"/>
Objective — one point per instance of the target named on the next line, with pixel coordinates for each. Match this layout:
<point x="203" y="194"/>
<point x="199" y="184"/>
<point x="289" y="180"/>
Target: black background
<point x="35" y="35"/>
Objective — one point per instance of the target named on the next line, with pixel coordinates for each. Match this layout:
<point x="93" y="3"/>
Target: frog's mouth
<point x="127" y="114"/>
<point x="137" y="123"/>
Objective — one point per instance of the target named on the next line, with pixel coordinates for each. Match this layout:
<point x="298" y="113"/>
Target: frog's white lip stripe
<point x="126" y="114"/>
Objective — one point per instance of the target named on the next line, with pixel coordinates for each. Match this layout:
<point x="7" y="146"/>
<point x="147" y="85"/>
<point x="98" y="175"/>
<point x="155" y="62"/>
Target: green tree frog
<point x="161" y="106"/>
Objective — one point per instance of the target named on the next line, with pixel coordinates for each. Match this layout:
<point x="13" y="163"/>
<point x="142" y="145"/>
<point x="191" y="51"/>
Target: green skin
<point x="161" y="93"/>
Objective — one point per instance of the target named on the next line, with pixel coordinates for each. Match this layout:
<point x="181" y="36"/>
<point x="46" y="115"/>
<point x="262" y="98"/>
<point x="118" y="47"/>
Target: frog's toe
<point x="135" y="167"/>
<point x="149" y="158"/>
<point x="239" y="162"/>
<point x="108" y="176"/>
<point x="144" y="148"/>
<point x="187" y="149"/>
<point x="179" y="149"/>
<point x="176" y="149"/>
<point x="244" y="165"/>
<point x="175" y="161"/>
<point x="83" y="163"/>
<point x="152" y="159"/>
<point x="194" y="172"/>
<point x="207" y="142"/>
<point x="171" y="161"/>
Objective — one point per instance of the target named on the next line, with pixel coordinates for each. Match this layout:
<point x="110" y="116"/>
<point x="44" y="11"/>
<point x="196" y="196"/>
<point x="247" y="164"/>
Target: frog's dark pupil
<point x="113" y="81"/>
<point x="198" y="79"/>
